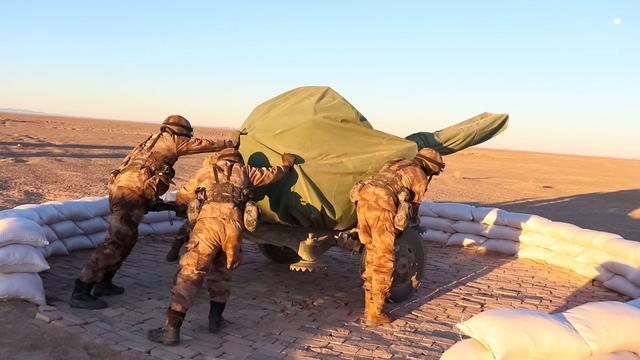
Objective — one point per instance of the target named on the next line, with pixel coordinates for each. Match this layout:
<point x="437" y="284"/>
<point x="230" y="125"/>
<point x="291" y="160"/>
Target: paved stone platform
<point x="275" y="313"/>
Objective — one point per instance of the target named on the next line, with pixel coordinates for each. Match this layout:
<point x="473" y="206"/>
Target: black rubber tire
<point x="408" y="271"/>
<point x="279" y="254"/>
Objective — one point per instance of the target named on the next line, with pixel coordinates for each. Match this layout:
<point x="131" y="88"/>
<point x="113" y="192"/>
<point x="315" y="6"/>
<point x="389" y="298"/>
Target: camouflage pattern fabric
<point x="214" y="244"/>
<point x="127" y="208"/>
<point x="376" y="208"/>
<point x="213" y="249"/>
<point x="127" y="200"/>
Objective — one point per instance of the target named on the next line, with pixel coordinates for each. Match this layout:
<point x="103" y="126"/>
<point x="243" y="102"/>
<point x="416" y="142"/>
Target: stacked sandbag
<point x="598" y="330"/>
<point x="21" y="258"/>
<point x="83" y="224"/>
<point x="598" y="255"/>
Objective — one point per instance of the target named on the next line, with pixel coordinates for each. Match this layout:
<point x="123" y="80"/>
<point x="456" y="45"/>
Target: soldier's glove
<point x="288" y="159"/>
<point x="163" y="206"/>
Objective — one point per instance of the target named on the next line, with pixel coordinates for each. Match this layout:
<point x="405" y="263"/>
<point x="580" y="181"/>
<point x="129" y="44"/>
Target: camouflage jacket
<point x="243" y="177"/>
<point x="395" y="176"/>
<point x="157" y="155"/>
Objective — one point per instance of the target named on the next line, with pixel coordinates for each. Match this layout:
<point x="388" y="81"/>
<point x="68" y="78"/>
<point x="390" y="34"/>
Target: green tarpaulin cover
<point x="336" y="147"/>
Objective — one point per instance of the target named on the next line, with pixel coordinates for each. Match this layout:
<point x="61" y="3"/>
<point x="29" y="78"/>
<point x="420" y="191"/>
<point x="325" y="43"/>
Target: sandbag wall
<point x="597" y="330"/>
<point x="595" y="254"/>
<point x="29" y="233"/>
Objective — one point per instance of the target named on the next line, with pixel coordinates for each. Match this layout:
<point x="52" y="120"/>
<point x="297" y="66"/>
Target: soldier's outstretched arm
<point x="200" y="145"/>
<point x="266" y="176"/>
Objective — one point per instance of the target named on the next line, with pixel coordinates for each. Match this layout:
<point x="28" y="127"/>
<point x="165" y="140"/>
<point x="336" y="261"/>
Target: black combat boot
<point x="81" y="297"/>
<point x="106" y="287"/>
<point x="216" y="321"/>
<point x="169" y="334"/>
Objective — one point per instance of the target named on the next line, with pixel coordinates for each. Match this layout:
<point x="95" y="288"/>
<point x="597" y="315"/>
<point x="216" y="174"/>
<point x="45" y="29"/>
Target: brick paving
<point x="275" y="313"/>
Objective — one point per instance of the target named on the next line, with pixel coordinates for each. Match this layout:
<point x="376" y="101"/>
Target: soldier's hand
<point x="234" y="255"/>
<point x="234" y="139"/>
<point x="288" y="159"/>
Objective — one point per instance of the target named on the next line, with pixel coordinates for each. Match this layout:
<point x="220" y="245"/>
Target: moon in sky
<point x="617" y="21"/>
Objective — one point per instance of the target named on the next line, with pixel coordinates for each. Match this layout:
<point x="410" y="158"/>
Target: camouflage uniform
<point x="214" y="244"/>
<point x="143" y="176"/>
<point x="377" y="206"/>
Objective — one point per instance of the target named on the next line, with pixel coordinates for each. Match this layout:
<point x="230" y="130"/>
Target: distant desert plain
<point x="45" y="157"/>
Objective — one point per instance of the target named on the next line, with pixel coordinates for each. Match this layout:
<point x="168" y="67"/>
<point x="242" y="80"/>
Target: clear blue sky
<point x="568" y="76"/>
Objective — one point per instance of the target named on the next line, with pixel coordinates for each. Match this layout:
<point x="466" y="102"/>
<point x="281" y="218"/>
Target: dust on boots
<point x="169" y="334"/>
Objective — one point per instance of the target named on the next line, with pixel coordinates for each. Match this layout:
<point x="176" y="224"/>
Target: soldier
<point x="385" y="203"/>
<point x="214" y="244"/>
<point x="134" y="188"/>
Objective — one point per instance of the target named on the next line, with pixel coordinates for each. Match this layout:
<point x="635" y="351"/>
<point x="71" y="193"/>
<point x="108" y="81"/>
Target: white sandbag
<point x="48" y="213"/>
<point x="436" y="223"/>
<point x="590" y="256"/>
<point x="49" y="234"/>
<point x="425" y="209"/>
<point x="469" y="227"/>
<point x="533" y="253"/>
<point x="561" y="260"/>
<point x="78" y="242"/>
<point x="453" y="211"/>
<point x="596" y="272"/>
<point x="559" y="230"/>
<point x="491" y="231"/>
<point x="166" y="227"/>
<point x="536" y="239"/>
<point x="615" y="356"/>
<point x="158" y="216"/>
<point x="98" y="238"/>
<point x="21" y="231"/>
<point x="502" y="246"/>
<point x="465" y="240"/>
<point x="56" y="248"/>
<point x="96" y="206"/>
<point x="621" y="268"/>
<point x="21" y="258"/>
<point x="525" y="334"/>
<point x="74" y="210"/>
<point x="592" y="238"/>
<point x="65" y="229"/>
<point x="466" y="350"/>
<point x="436" y="236"/>
<point x="526" y="222"/>
<point x="489" y="216"/>
<point x="25" y="213"/>
<point x="623" y="286"/>
<point x="607" y="326"/>
<point x="93" y="225"/>
<point x="24" y="286"/>
<point x="566" y="248"/>
<point x="145" y="229"/>
<point x="623" y="249"/>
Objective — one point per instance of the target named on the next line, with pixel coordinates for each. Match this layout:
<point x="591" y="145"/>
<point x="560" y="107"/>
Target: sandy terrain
<point x="55" y="158"/>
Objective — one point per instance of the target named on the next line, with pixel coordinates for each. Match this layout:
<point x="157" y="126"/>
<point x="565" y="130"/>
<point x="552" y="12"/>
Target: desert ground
<point x="44" y="157"/>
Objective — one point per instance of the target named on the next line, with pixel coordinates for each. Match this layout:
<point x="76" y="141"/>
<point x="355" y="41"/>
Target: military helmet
<point x="177" y="125"/>
<point x="230" y="154"/>
<point x="430" y="160"/>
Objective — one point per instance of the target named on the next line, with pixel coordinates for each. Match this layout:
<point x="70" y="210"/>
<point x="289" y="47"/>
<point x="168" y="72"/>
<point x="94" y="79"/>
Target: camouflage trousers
<point x="377" y="232"/>
<point x="212" y="252"/>
<point x="127" y="207"/>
